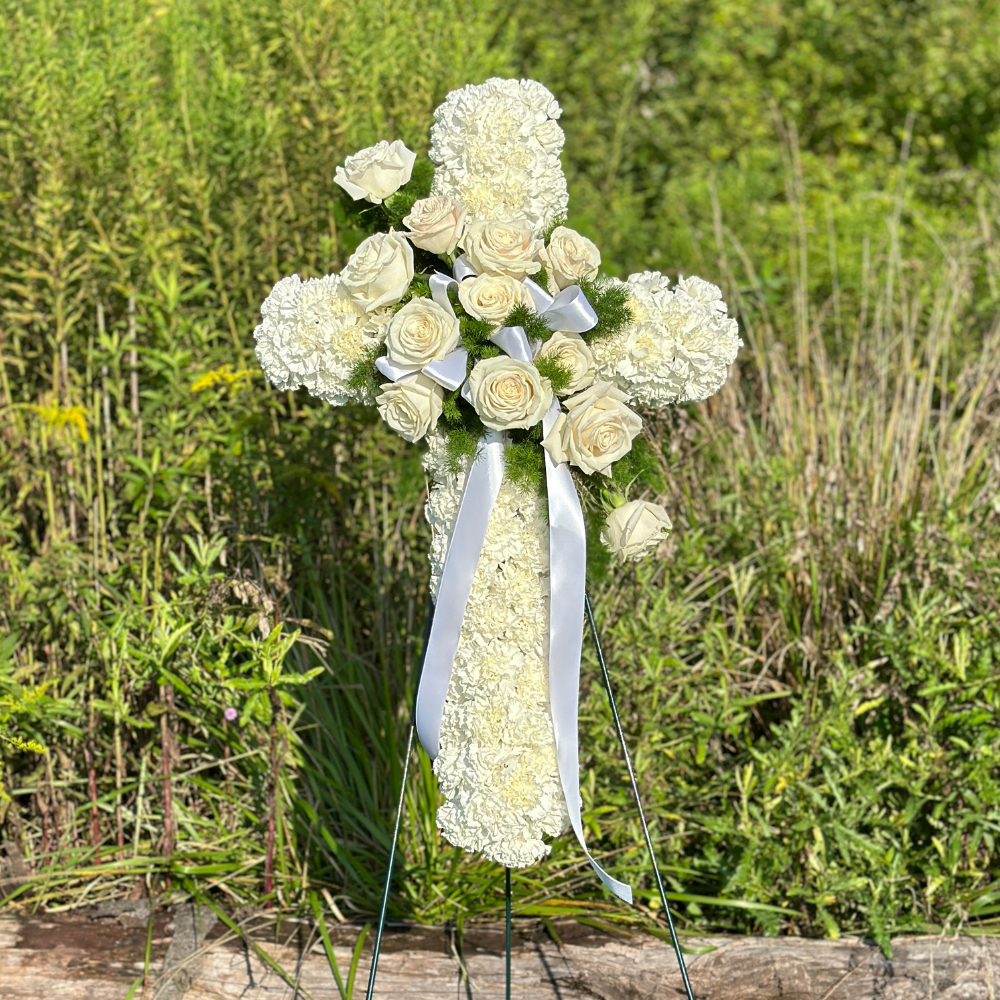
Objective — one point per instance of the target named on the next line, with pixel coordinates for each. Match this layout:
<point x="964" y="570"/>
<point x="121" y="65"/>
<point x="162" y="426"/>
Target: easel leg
<point x="399" y="815"/>
<point x="638" y="800"/>
<point x="507" y="888"/>
<point x="388" y="874"/>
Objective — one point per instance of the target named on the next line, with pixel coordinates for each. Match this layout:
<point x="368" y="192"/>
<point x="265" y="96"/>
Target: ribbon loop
<point x="514" y="341"/>
<point x="539" y="295"/>
<point x="440" y="285"/>
<point x="448" y="372"/>
<point x="569" y="311"/>
<point x="396" y="372"/>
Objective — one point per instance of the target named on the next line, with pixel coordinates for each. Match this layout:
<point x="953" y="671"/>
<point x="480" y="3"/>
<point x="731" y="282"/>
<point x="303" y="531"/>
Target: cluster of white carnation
<point x="497" y="765"/>
<point x="311" y="333"/>
<point x="679" y="346"/>
<point x="496" y="149"/>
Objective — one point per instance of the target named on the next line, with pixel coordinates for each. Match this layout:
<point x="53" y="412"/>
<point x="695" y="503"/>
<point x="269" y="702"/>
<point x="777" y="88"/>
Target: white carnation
<point x="311" y="334"/>
<point x="496" y="150"/>
<point x="704" y="292"/>
<point x="679" y="346"/>
<point x="497" y="766"/>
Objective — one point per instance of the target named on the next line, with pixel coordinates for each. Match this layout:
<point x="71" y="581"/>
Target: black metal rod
<point x="507" y="887"/>
<point x="399" y="814"/>
<point x="638" y="800"/>
<point x="388" y="874"/>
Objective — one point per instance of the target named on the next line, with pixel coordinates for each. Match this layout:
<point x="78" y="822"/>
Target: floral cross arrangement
<point x="476" y="321"/>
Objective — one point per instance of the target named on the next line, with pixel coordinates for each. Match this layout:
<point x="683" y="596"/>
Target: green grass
<point x="809" y="673"/>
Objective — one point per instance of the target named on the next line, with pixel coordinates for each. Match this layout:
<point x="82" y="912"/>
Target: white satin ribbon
<point x="567" y="580"/>
<point x="463" y="268"/>
<point x="440" y="285"/>
<point x="450" y="371"/>
<point x="568" y="311"/>
<point x="482" y="485"/>
<point x="514" y="341"/>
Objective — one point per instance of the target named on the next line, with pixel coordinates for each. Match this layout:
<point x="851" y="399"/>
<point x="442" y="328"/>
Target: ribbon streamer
<point x="482" y="485"/>
<point x="567" y="581"/>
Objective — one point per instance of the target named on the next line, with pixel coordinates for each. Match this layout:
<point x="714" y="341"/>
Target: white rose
<point x="597" y="430"/>
<point x="635" y="529"/>
<point x="508" y="393"/>
<point x="411" y="408"/>
<point x="376" y="172"/>
<point x="379" y="271"/>
<point x="569" y="257"/>
<point x="435" y="224"/>
<point x="571" y="351"/>
<point x="421" y="332"/>
<point x="503" y="248"/>
<point x="492" y="297"/>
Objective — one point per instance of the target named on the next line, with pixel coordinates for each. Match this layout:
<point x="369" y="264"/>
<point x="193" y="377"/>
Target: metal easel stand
<point x="369" y="995"/>
<point x="387" y="887"/>
<point x="506" y="873"/>
<point x="638" y="799"/>
<point x="388" y="873"/>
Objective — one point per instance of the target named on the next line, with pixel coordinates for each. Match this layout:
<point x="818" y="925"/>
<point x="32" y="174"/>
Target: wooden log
<point x="71" y="957"/>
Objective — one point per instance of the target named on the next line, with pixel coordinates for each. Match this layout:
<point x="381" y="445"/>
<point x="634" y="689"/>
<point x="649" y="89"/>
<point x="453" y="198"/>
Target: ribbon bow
<point x="450" y="370"/>
<point x="569" y="311"/>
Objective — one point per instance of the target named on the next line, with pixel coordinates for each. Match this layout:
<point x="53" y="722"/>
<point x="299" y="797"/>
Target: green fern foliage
<point x="610" y="302"/>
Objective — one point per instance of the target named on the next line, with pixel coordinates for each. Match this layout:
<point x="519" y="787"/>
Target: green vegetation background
<point x="809" y="672"/>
